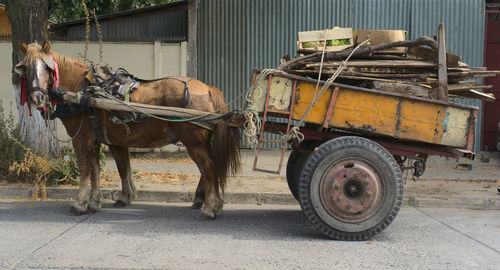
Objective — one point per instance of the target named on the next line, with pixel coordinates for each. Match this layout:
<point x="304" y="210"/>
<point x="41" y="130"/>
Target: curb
<point x="489" y="203"/>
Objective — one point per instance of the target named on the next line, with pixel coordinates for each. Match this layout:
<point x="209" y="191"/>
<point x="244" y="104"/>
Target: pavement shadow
<point x="144" y="219"/>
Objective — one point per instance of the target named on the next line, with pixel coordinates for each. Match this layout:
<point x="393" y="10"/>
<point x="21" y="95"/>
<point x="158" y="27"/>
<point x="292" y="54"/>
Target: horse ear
<point x="24" y="47"/>
<point x="49" y="61"/>
<point x="18" y="69"/>
<point x="46" y="47"/>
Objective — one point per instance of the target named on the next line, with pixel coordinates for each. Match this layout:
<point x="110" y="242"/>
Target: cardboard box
<point x="380" y="37"/>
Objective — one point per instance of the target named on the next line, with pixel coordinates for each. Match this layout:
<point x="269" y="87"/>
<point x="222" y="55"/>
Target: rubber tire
<point x="294" y="165"/>
<point x="328" y="154"/>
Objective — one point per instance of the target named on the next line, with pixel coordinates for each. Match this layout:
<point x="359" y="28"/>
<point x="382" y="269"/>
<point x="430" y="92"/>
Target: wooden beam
<point x="432" y="55"/>
<point x="442" y="72"/>
<point x="298" y="62"/>
<point x="161" y="111"/>
<point x="379" y="63"/>
<point x="467" y="86"/>
<point x="475" y="94"/>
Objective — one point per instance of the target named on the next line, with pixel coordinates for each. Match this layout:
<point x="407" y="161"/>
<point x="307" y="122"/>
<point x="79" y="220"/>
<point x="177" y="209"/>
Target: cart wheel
<point x="350" y="188"/>
<point x="294" y="165"/>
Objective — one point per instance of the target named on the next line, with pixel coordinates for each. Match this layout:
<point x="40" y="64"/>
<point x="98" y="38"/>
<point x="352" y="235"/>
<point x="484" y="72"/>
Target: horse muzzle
<point x="37" y="96"/>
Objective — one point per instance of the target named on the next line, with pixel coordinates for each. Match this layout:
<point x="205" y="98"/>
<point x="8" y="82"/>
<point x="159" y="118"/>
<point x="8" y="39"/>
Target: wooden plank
<point x="384" y="71"/>
<point x="319" y="35"/>
<point x="320" y="49"/>
<point x="475" y="95"/>
<point x="363" y="78"/>
<point x="467" y="86"/>
<point x="378" y="63"/>
<point x="432" y="55"/>
<point x="383" y="80"/>
<point x="381" y="73"/>
<point x="442" y="72"/>
<point x="403" y="88"/>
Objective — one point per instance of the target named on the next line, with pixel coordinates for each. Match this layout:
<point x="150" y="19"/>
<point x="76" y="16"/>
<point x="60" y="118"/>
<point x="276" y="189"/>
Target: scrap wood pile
<point x="414" y="71"/>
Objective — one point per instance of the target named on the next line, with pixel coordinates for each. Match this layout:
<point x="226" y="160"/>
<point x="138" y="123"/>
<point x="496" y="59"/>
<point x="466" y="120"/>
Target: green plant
<point x="338" y="42"/>
<point x="11" y="151"/>
<point x="66" y="168"/>
<point x="18" y="162"/>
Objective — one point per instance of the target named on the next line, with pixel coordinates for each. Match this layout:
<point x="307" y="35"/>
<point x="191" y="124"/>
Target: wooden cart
<point x="347" y="172"/>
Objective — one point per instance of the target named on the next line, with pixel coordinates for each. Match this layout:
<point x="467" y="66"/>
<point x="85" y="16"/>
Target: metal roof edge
<point x="120" y="14"/>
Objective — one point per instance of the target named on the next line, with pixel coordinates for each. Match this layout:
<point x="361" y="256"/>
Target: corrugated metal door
<point x="491" y="114"/>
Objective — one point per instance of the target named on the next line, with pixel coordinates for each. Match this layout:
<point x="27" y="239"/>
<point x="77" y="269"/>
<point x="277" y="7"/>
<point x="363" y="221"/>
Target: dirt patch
<point x="451" y="188"/>
<point x="182" y="157"/>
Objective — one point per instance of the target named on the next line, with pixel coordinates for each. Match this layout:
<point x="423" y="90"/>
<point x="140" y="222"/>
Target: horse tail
<point x="225" y="143"/>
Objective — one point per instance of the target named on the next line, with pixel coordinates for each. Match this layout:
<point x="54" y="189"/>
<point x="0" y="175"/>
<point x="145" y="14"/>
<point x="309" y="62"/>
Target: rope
<point x="87" y="33"/>
<point x="252" y="120"/>
<point x="99" y="34"/>
<point x="294" y="132"/>
<point x="71" y="138"/>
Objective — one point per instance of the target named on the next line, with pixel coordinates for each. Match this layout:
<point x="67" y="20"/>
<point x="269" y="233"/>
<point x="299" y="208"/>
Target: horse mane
<point x="34" y="52"/>
<point x="68" y="63"/>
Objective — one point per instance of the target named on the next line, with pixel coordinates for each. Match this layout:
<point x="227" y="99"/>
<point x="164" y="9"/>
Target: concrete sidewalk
<point x="164" y="179"/>
<point x="438" y="168"/>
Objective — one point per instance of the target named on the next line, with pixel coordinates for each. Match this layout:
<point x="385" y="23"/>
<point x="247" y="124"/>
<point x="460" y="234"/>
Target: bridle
<point x="48" y="107"/>
<point x="48" y="110"/>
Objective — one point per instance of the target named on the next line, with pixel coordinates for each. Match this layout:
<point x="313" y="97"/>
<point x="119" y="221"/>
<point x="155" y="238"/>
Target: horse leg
<point x="82" y="145"/>
<point x="122" y="159"/>
<point x="212" y="203"/>
<point x="95" y="171"/>
<point x="199" y="195"/>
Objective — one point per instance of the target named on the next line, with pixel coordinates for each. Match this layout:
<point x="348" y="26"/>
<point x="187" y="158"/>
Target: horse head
<point x="37" y="71"/>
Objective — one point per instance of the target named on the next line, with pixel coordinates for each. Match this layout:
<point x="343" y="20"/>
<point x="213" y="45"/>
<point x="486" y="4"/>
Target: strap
<point x="101" y="136"/>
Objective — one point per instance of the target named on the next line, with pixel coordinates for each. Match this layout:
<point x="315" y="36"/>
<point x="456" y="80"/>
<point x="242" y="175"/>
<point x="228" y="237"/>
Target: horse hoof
<point x="205" y="215"/>
<point x="196" y="205"/>
<point x="93" y="209"/>
<point x="119" y="204"/>
<point x="75" y="211"/>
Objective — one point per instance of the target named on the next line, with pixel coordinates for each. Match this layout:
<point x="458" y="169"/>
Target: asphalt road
<point x="154" y="235"/>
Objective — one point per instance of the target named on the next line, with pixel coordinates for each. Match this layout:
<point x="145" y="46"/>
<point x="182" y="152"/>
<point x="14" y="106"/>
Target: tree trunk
<point x="29" y="24"/>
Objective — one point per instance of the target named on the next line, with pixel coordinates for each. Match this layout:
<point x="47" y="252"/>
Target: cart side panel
<point x="402" y="118"/>
<point x="363" y="111"/>
<point x="421" y="121"/>
<point x="303" y="98"/>
<point x="457" y="124"/>
<point x="371" y="112"/>
<point x="280" y="93"/>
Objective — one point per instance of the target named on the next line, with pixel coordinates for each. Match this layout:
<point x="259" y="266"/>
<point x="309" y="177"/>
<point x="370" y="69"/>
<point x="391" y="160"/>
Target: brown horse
<point x="215" y="152"/>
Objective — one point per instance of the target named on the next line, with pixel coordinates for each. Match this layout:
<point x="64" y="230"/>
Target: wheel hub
<point x="351" y="190"/>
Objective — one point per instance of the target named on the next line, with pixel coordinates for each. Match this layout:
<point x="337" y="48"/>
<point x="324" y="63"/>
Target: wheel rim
<point x="351" y="190"/>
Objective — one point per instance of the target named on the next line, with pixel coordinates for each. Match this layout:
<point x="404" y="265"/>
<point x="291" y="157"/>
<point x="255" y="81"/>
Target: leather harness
<point x="100" y="131"/>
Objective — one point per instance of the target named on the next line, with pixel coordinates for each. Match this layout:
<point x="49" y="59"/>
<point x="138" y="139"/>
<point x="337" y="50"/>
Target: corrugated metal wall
<point x="235" y="36"/>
